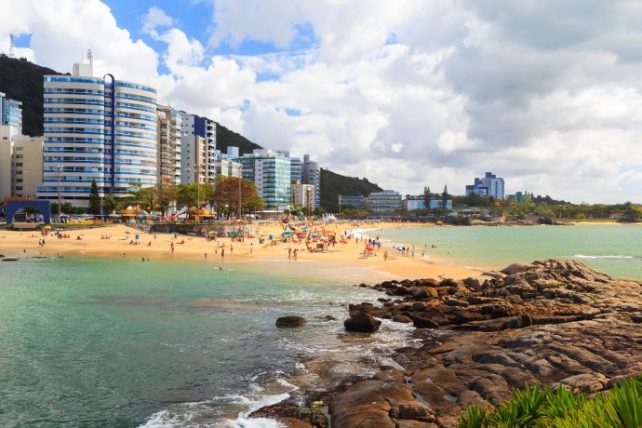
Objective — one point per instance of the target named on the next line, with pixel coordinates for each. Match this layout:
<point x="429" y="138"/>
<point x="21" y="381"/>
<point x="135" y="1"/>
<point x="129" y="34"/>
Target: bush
<point x="562" y="408"/>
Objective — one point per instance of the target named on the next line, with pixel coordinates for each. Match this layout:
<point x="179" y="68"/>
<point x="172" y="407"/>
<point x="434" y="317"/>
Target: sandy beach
<point x="93" y="243"/>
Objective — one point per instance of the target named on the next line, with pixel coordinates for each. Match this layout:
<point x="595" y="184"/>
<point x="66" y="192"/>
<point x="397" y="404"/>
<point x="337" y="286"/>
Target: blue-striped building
<point x="97" y="128"/>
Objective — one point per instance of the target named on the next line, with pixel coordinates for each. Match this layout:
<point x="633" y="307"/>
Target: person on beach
<point x="385" y="256"/>
<point x="289" y="253"/>
<point x="294" y="254"/>
<point x="223" y="253"/>
<point x="171" y="246"/>
<point x="205" y="256"/>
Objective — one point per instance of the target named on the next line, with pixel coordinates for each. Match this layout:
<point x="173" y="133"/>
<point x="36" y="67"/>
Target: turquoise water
<point x="613" y="249"/>
<point x="102" y="342"/>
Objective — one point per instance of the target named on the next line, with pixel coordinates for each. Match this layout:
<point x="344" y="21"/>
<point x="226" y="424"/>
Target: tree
<point x="111" y="204"/>
<point x="189" y="195"/>
<point x="144" y="197"/>
<point x="226" y="193"/>
<point x="165" y="195"/>
<point x="94" y="199"/>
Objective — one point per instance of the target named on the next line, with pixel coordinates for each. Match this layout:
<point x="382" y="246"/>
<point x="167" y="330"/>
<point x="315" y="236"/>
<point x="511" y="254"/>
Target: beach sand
<point x="158" y="248"/>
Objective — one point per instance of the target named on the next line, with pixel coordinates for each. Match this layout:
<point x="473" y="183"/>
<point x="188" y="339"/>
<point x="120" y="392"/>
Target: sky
<point x="546" y="94"/>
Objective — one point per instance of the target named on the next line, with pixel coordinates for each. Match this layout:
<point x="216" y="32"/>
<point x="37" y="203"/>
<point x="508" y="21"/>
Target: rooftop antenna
<point x="90" y="56"/>
<point x="11" y="54"/>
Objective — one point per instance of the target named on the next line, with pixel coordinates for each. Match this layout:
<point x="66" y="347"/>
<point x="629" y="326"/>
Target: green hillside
<point x="226" y="137"/>
<point x="333" y="185"/>
<point x="22" y="80"/>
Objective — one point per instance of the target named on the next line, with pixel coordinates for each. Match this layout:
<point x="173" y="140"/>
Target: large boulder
<point x="290" y="321"/>
<point x="361" y="322"/>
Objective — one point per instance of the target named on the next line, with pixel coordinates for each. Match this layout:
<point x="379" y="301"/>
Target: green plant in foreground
<point x="620" y="407"/>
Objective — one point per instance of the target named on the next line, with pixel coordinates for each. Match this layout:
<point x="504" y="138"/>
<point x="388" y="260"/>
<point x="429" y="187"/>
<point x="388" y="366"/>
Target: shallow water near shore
<point x="612" y="249"/>
<point x="118" y="342"/>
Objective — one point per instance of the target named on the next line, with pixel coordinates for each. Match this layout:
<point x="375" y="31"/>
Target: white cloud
<point x="408" y="93"/>
<point x="154" y="19"/>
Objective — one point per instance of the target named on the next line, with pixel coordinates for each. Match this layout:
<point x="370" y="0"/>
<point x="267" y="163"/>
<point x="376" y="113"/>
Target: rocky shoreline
<point x="550" y="322"/>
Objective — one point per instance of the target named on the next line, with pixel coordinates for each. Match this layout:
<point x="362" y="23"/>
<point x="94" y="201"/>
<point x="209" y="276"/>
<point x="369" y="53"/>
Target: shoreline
<point x="157" y="247"/>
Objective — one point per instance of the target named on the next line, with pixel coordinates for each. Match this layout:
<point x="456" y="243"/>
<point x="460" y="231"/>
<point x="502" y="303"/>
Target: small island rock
<point x="290" y="321"/>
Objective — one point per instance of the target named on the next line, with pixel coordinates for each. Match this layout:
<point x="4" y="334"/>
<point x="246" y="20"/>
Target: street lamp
<point x="59" y="172"/>
<point x="197" y="168"/>
<point x="239" y="205"/>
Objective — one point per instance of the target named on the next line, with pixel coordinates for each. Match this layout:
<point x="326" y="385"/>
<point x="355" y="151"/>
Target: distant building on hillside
<point x="385" y="202"/>
<point x="351" y="201"/>
<point x="488" y="185"/>
<point x="414" y="203"/>
<point x="418" y="202"/>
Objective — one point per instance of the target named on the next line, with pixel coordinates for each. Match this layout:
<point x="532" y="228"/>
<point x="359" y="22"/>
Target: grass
<point x="540" y="407"/>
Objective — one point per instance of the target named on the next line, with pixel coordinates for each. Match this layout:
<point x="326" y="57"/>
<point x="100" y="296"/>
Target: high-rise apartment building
<point x="198" y="148"/>
<point x="11" y="114"/>
<point x="488" y="185"/>
<point x="97" y="129"/>
<point x="169" y="145"/>
<point x="270" y="172"/>
<point x="296" y="173"/>
<point x="20" y="164"/>
<point x="311" y="174"/>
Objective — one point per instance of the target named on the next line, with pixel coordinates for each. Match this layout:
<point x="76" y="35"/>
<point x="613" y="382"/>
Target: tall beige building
<point x="169" y="145"/>
<point x="20" y="164"/>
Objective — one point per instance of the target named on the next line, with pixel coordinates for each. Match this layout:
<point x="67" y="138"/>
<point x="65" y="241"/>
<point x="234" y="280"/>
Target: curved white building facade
<point x="98" y="129"/>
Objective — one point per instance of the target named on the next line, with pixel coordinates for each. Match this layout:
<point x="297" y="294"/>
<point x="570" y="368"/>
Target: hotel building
<point x="97" y="129"/>
<point x="303" y="196"/>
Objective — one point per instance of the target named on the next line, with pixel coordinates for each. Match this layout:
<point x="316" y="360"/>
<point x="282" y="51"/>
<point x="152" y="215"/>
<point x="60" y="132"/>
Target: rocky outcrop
<point x="551" y="322"/>
<point x="290" y="321"/>
<point x="361" y="322"/>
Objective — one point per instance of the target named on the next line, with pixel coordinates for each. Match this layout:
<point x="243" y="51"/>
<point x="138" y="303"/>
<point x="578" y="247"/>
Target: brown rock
<point x="361" y="322"/>
<point x="290" y="321"/>
<point x="401" y="318"/>
<point x="422" y="322"/>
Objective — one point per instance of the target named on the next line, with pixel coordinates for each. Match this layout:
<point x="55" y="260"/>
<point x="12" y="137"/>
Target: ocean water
<point x="113" y="342"/>
<point x="613" y="249"/>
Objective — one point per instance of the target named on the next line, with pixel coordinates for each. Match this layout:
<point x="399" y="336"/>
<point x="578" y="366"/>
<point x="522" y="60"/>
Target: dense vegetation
<point x="547" y="207"/>
<point x="22" y="81"/>
<point x="226" y="138"/>
<point x="333" y="185"/>
<point x="621" y="406"/>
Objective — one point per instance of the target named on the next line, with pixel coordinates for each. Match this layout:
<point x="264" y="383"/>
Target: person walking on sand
<point x="385" y="256"/>
<point x="289" y="253"/>
<point x="205" y="256"/>
<point x="294" y="254"/>
<point x="223" y="253"/>
<point x="171" y="246"/>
